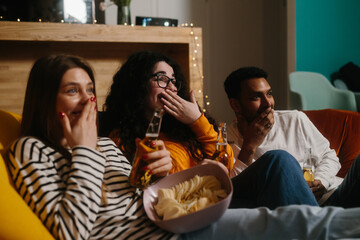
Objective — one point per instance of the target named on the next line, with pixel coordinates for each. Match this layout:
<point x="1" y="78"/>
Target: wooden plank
<point x="45" y="31"/>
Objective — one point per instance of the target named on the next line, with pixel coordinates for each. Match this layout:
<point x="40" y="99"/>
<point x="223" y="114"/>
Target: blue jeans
<point x="290" y="222"/>
<point x="348" y="192"/>
<point x="274" y="180"/>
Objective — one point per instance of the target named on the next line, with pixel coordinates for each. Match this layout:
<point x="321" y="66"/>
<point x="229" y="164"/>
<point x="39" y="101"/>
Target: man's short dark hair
<point x="232" y="83"/>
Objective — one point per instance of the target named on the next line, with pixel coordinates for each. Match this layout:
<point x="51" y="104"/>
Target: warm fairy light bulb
<point x="191" y="25"/>
<point x="196" y="38"/>
<point x="191" y="33"/>
<point x="39" y="19"/>
<point x="182" y="24"/>
<point x="195" y="51"/>
<point x="193" y="59"/>
<point x="132" y="25"/>
<point x="62" y="20"/>
<point x="200" y="91"/>
<point x="18" y="19"/>
<point x="186" y="24"/>
<point x="204" y="110"/>
<point x="95" y="21"/>
<point x="206" y="96"/>
<point x="202" y="77"/>
<point x="208" y="103"/>
<point x="198" y="45"/>
<point x="194" y="65"/>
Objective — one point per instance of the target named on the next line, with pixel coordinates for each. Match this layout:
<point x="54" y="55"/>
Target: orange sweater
<point x="181" y="159"/>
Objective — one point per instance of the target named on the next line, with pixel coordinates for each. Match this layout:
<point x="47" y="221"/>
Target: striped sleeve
<point x="64" y="194"/>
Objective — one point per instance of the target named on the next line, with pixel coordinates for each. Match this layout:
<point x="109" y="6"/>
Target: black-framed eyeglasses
<point x="163" y="81"/>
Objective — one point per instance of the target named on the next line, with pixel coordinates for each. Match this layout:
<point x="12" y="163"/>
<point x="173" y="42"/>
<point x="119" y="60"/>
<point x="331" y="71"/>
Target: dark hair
<point x="126" y="105"/>
<point x="40" y="118"/>
<point x="232" y="83"/>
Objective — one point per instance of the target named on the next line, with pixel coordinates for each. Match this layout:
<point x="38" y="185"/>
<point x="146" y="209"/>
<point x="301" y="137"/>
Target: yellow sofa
<point x="17" y="219"/>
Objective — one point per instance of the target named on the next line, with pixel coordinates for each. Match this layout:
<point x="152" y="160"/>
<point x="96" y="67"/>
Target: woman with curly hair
<point x="150" y="80"/>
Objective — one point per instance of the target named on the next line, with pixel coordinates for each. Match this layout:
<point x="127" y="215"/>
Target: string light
<point x="41" y="20"/>
<point x="195" y="62"/>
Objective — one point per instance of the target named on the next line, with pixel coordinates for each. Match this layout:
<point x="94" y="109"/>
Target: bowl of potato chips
<point x="189" y="200"/>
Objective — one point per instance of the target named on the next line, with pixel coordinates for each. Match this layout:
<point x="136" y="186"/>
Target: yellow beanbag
<point x="16" y="218"/>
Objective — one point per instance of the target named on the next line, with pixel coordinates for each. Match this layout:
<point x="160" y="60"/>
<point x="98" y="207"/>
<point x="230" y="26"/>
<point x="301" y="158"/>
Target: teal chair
<point x="313" y="91"/>
<point x="340" y="84"/>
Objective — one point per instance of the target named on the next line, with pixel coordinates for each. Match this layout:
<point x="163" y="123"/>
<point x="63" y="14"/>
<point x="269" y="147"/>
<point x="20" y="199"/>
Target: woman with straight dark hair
<point x="41" y="96"/>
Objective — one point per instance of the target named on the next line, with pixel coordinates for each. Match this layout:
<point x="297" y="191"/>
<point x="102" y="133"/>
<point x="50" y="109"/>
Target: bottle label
<point x="139" y="177"/>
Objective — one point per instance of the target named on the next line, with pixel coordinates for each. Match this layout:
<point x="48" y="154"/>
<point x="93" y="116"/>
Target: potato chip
<point x="192" y="195"/>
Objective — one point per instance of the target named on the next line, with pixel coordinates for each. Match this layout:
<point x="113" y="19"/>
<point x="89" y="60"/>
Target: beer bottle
<point x="139" y="177"/>
<point x="220" y="154"/>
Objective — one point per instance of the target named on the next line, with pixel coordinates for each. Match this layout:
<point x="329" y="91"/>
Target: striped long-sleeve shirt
<point x="68" y="195"/>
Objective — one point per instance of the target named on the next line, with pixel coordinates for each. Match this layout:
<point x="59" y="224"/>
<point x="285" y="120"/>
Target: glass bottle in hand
<point x="139" y="176"/>
<point x="220" y="154"/>
<point x="308" y="166"/>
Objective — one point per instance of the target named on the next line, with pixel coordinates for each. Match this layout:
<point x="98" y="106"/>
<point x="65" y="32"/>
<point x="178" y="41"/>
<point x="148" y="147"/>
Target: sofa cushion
<point x="342" y="129"/>
<point x="9" y="128"/>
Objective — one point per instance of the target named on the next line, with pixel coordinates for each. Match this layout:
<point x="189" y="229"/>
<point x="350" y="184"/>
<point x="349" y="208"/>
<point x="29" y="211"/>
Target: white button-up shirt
<point x="294" y="132"/>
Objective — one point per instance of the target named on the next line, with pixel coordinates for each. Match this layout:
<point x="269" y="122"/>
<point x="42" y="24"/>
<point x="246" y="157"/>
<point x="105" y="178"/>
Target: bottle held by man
<point x="139" y="176"/>
<point x="220" y="154"/>
<point x="308" y="166"/>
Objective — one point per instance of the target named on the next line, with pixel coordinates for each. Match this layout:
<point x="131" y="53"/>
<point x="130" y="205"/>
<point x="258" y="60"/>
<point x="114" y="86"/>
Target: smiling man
<point x="258" y="129"/>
